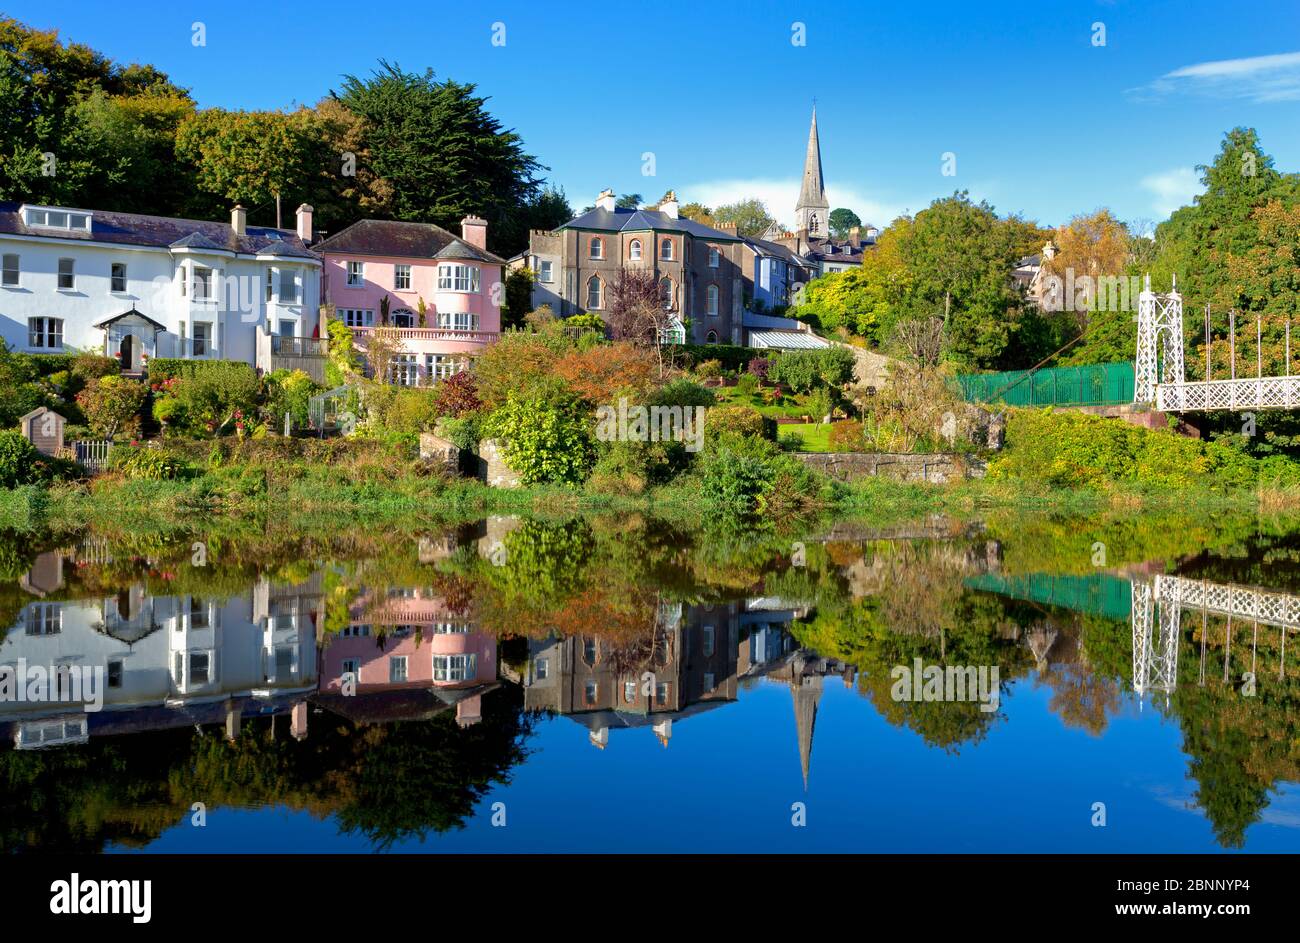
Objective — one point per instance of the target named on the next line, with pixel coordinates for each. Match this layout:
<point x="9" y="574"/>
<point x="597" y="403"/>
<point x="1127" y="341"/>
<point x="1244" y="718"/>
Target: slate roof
<point x="627" y="220"/>
<point x="404" y="240"/>
<point x="764" y="247"/>
<point x="163" y="232"/>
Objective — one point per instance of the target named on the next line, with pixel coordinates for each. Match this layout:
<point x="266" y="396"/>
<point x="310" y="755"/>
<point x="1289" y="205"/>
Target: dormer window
<point x="67" y="220"/>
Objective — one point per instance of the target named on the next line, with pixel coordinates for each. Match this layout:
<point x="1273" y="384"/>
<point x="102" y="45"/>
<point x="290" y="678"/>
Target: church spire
<point x="812" y="210"/>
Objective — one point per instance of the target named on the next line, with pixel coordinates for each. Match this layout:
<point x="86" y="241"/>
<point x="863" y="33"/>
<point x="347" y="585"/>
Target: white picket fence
<point x="92" y="454"/>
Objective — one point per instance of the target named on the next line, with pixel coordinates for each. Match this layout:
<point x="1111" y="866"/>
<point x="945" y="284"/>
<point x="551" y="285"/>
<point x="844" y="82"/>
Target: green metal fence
<point x="1101" y="384"/>
<point x="1096" y="594"/>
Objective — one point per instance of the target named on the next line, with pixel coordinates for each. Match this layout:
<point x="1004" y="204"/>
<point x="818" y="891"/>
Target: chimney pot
<point x="605" y="201"/>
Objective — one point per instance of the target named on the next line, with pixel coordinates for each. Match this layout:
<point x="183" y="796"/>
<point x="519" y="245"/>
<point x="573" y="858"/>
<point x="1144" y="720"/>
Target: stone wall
<point x="934" y="468"/>
<point x="493" y="468"/>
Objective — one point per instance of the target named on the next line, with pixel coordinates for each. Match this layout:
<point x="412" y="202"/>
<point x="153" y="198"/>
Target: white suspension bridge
<point x="1158" y="607"/>
<point x="1162" y="383"/>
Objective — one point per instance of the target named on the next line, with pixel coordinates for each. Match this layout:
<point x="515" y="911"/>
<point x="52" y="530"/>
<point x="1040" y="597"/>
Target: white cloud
<point x="1257" y="78"/>
<point x="1172" y="188"/>
<point x="780" y="197"/>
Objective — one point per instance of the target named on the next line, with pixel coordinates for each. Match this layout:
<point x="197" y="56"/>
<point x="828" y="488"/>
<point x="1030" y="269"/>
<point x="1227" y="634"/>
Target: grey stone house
<point x="702" y="270"/>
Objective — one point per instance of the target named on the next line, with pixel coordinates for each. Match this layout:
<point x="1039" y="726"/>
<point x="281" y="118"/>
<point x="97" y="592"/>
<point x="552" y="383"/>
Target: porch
<point x="279" y="352"/>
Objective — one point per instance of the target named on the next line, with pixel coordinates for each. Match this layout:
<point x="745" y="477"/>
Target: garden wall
<point x="934" y="467"/>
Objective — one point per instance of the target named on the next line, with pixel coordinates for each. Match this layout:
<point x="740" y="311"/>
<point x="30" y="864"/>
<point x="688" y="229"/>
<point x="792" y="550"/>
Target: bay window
<point x="458" y="278"/>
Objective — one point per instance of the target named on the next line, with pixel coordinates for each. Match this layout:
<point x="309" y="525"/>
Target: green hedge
<point x="162" y="369"/>
<point x="731" y="356"/>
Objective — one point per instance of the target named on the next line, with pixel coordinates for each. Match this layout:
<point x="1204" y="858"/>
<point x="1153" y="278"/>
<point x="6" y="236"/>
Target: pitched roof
<point x="764" y="247"/>
<point x="627" y="220"/>
<point x="404" y="240"/>
<point x="134" y="229"/>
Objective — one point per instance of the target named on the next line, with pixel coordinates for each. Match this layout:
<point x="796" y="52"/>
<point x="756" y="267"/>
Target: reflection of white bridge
<point x="1158" y="608"/>
<point x="1160" y="379"/>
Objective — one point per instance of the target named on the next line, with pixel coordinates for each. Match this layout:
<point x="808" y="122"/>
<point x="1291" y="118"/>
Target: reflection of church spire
<point x="805" y="693"/>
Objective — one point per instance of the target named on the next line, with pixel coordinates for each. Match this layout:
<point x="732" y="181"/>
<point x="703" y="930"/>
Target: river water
<point x="631" y="685"/>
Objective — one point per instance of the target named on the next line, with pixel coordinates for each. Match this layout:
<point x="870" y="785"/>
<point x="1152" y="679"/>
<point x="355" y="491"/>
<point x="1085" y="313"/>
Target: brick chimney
<point x="726" y="227"/>
<point x="304" y="222"/>
<point x="605" y="201"/>
<point x="473" y="229"/>
<point x="239" y="220"/>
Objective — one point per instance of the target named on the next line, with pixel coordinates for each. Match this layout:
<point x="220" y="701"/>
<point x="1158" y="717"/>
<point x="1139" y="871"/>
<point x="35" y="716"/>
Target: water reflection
<point x="415" y="677"/>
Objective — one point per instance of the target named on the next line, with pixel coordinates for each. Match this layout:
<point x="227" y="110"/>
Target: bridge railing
<point x="1102" y="384"/>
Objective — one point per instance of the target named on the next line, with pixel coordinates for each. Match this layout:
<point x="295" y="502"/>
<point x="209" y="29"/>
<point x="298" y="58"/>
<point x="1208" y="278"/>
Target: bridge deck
<point x="1260" y="393"/>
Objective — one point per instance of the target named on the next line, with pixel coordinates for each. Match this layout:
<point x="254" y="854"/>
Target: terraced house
<point x="701" y="269"/>
<point x="136" y="287"/>
<point x="440" y="294"/>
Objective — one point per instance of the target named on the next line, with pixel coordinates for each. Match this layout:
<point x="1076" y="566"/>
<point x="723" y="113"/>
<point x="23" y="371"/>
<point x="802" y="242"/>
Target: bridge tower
<point x="1160" y="331"/>
<point x="1157" y="630"/>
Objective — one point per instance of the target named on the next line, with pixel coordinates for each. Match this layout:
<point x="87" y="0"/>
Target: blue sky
<point x="1040" y="120"/>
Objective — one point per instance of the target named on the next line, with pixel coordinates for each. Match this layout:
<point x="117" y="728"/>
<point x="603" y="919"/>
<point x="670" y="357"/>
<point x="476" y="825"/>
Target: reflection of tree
<point x="385" y="783"/>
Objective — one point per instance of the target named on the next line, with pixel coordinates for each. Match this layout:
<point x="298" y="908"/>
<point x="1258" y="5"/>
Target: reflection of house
<point x="162" y="657"/>
<point x="408" y="640"/>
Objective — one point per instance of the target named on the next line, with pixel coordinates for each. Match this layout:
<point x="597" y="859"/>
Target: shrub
<point x="747" y="476"/>
<point x="19" y="460"/>
<point x="1077" y="450"/>
<point x="153" y="464"/>
<point x="457" y="395"/>
<point x="759" y="367"/>
<point x="709" y="369"/>
<point x="544" y="441"/>
<point x="683" y="392"/>
<point x="400" y="410"/>
<point x="820" y="403"/>
<point x="89" y="366"/>
<point x="464" y="432"/>
<point x="343" y="357"/>
<point x="287" y="391"/>
<point x="602" y="373"/>
<point x="747" y="385"/>
<point x="847" y="436"/>
<point x="803" y="370"/>
<point x="112" y="405"/>
<point x="740" y="420"/>
<point x="210" y="394"/>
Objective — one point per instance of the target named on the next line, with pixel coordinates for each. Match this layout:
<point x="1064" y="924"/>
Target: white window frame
<point x="713" y="300"/>
<point x="207" y="282"/>
<point x="546" y="272"/>
<point x="600" y="294"/>
<point x="11" y="270"/>
<point x="463" y="279"/>
<point x="206" y="340"/>
<point x="596" y="248"/>
<point x="356" y="274"/>
<point x="401" y="277"/>
<point x="634" y="250"/>
<point x="114" y="279"/>
<point x="715" y="257"/>
<point x="45" y="333"/>
<point x="442" y="366"/>
<point x="288" y="287"/>
<point x="454" y="668"/>
<point x="397" y="669"/>
<point x="357" y="317"/>
<point x="666" y="249"/>
<point x="457" y="321"/>
<point x="70" y="275"/>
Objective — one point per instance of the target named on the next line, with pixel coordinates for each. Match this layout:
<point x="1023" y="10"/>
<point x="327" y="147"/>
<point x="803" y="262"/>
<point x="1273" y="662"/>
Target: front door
<point x="129" y="354"/>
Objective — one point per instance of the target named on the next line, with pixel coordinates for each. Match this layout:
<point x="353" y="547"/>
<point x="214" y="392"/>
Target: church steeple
<point x="812" y="210"/>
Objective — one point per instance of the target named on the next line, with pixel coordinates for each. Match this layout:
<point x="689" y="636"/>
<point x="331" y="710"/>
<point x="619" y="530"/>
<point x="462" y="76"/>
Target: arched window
<point x="593" y="292"/>
<point x="666" y="248"/>
<point x="634" y="250"/>
<point x="666" y="292"/>
<point x="712" y="295"/>
<point x="403" y="317"/>
<point x="712" y="338"/>
<point x="813" y="224"/>
<point x="597" y="248"/>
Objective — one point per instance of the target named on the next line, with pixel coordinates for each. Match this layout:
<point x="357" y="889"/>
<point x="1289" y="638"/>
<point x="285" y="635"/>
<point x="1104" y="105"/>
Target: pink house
<point x="425" y="645"/>
<point x="442" y="293"/>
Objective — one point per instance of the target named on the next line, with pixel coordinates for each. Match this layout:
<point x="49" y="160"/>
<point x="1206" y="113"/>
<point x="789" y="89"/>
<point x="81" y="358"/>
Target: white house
<point x="136" y="287"/>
